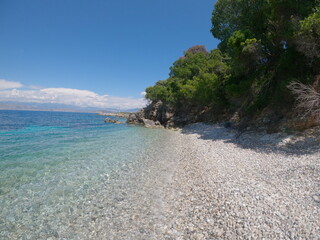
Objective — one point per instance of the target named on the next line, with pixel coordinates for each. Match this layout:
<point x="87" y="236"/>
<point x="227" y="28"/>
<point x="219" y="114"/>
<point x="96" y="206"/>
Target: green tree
<point x="307" y="37"/>
<point x="193" y="79"/>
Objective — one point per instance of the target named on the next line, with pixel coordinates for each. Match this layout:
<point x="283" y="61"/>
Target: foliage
<point x="260" y="36"/>
<point x="196" y="49"/>
<point x="265" y="45"/>
<point x="194" y="79"/>
<point x="308" y="36"/>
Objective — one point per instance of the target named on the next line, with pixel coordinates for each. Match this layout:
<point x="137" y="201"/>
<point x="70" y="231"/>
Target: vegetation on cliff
<point x="265" y="46"/>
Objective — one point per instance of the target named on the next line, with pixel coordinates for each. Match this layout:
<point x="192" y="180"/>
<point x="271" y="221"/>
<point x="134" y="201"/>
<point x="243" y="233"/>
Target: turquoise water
<point x="52" y="164"/>
<point x="35" y="144"/>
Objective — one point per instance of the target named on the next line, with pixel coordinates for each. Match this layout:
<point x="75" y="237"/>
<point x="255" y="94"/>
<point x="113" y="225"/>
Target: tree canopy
<point x="265" y="44"/>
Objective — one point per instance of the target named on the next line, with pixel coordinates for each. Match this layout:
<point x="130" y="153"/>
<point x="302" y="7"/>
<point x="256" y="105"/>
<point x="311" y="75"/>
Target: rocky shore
<point x="116" y="121"/>
<point x="124" y="115"/>
<point x="159" y="114"/>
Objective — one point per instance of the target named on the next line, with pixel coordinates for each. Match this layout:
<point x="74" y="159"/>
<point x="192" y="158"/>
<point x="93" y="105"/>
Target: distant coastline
<point x="52" y="107"/>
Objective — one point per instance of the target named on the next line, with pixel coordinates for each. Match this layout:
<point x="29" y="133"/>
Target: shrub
<point x="308" y="99"/>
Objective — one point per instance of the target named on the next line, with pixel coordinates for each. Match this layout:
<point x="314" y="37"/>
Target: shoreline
<point x="249" y="186"/>
<point x="218" y="185"/>
<point x="198" y="182"/>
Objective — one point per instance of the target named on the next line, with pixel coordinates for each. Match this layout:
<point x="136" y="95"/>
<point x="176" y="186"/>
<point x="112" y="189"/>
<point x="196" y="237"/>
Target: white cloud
<point x="76" y="97"/>
<point x="5" y="84"/>
<point x="34" y="87"/>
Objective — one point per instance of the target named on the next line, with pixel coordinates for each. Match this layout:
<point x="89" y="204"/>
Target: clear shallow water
<point x="53" y="166"/>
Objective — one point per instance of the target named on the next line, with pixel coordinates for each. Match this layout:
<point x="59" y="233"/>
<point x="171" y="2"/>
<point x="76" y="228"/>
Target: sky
<point x="98" y="53"/>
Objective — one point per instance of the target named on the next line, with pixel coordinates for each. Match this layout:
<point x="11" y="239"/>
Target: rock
<point x="109" y="120"/>
<point x="271" y="117"/>
<point x="136" y="118"/>
<point x="116" y="114"/>
<point x="316" y="198"/>
<point x="181" y="120"/>
<point x="150" y="123"/>
<point x="154" y="115"/>
<point x="235" y="117"/>
<point x="161" y="114"/>
<point x="132" y="118"/>
<point x="168" y="115"/>
<point x="228" y="124"/>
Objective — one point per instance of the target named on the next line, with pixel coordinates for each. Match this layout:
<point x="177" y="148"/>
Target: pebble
<point x="208" y="183"/>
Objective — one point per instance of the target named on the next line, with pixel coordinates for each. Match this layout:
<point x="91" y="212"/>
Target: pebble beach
<point x="220" y="185"/>
<point x="198" y="182"/>
<point x="249" y="186"/>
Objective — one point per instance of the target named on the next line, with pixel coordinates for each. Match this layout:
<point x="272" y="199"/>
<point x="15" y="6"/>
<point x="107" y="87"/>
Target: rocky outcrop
<point x="155" y="114"/>
<point x="150" y="123"/>
<point x="118" y="114"/>
<point x="159" y="114"/>
<point x="139" y="118"/>
<point x="109" y="120"/>
<point x="271" y="120"/>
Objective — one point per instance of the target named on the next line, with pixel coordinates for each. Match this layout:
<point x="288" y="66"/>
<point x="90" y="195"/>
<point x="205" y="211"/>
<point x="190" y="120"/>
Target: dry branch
<point x="308" y="99"/>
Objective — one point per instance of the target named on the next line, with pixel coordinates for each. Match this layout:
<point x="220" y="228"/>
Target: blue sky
<point x="109" y="48"/>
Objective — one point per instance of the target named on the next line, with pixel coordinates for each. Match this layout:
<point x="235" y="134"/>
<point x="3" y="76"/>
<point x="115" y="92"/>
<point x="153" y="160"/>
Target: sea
<point x="72" y="176"/>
